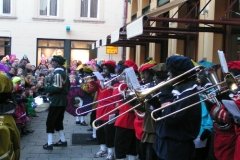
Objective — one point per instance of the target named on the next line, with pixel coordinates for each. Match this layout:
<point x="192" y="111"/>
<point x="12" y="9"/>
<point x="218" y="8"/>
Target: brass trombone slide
<point x="110" y="120"/>
<point x="115" y="109"/>
<point x="132" y="108"/>
<point x="79" y="114"/>
<point x="95" y="102"/>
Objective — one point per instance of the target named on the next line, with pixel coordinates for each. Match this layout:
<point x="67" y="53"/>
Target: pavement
<point x="31" y="144"/>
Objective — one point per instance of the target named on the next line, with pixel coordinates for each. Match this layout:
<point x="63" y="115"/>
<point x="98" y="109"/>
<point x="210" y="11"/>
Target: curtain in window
<point x="84" y="8"/>
<point x="43" y="7"/>
<point x="94" y="8"/>
<point x="7" y="6"/>
<point x="53" y="8"/>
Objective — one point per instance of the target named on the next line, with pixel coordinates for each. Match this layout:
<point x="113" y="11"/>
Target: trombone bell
<point x="231" y="82"/>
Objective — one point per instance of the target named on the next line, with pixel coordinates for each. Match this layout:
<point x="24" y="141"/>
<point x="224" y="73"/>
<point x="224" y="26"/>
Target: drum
<point x="42" y="103"/>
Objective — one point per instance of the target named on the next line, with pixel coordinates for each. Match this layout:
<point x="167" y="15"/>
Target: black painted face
<point x="146" y="76"/>
<point x="54" y="64"/>
<point x="106" y="71"/>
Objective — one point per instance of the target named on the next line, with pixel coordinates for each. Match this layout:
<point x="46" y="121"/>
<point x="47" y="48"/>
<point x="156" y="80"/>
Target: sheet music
<point x="232" y="109"/>
<point x="223" y="61"/>
<point x="132" y="78"/>
<point x="99" y="76"/>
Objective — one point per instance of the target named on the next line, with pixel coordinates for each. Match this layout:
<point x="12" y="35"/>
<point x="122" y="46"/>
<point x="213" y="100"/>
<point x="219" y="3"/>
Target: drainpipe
<point x="124" y="23"/>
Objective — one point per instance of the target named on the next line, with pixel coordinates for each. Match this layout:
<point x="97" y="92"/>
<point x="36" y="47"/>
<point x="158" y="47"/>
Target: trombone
<point x="104" y="85"/>
<point x="112" y="111"/>
<point x="231" y="85"/>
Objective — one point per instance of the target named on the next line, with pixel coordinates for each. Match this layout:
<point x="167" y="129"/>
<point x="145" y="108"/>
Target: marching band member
<point x="227" y="130"/>
<point x="9" y="134"/>
<point x="125" y="140"/>
<point x="80" y="95"/>
<point x="89" y="87"/>
<point x="203" y="142"/>
<point x="148" y="137"/>
<point x="175" y="134"/>
<point x="105" y="135"/>
<point x="57" y="91"/>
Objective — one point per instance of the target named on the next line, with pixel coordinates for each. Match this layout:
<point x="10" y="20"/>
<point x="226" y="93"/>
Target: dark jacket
<point x="183" y="126"/>
<point x="58" y="88"/>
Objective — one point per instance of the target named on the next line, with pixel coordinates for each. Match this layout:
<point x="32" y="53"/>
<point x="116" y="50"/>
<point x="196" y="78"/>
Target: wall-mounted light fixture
<point x="68" y="28"/>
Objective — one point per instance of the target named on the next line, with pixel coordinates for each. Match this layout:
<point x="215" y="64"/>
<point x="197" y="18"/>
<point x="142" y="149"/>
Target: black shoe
<point x="90" y="130"/>
<point x="83" y="123"/>
<point x="60" y="144"/>
<point x="91" y="139"/>
<point x="29" y="131"/>
<point x="48" y="147"/>
<point x="78" y="122"/>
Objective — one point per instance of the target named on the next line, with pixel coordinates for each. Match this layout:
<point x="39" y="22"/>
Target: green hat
<point x="6" y="85"/>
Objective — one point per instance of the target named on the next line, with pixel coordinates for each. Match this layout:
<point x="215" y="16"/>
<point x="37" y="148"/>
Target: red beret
<point x="109" y="63"/>
<point x="234" y="65"/>
<point x="130" y="63"/>
<point x="146" y="66"/>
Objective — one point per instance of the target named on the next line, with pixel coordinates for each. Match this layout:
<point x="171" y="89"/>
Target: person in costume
<point x="125" y="140"/>
<point x="226" y="127"/>
<point x="203" y="142"/>
<point x="176" y="133"/>
<point x="105" y="135"/>
<point x="148" y="137"/>
<point x="57" y="93"/>
<point x="9" y="133"/>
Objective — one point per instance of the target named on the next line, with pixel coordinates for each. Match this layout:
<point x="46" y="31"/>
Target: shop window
<point x="5" y="46"/>
<point x="80" y="44"/>
<point x="5" y="7"/>
<point x="89" y="8"/>
<point x="48" y="48"/>
<point x="80" y="51"/>
<point x="48" y="8"/>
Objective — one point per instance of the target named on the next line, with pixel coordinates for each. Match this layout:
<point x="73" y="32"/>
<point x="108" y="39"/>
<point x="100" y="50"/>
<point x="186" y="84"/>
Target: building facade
<point x="193" y="28"/>
<point x="43" y="28"/>
<point x="195" y="36"/>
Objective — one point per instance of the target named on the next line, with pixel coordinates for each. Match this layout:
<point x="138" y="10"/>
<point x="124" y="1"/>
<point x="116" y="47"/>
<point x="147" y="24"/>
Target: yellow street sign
<point x="111" y="50"/>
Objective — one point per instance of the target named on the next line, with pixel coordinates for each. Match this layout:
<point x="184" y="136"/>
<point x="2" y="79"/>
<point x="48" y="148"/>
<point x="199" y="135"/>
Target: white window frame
<point x="12" y="9"/>
<point x="88" y="14"/>
<point x="48" y="9"/>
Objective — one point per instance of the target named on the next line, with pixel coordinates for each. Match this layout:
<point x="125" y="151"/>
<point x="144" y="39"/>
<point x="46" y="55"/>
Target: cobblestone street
<point x="31" y="144"/>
